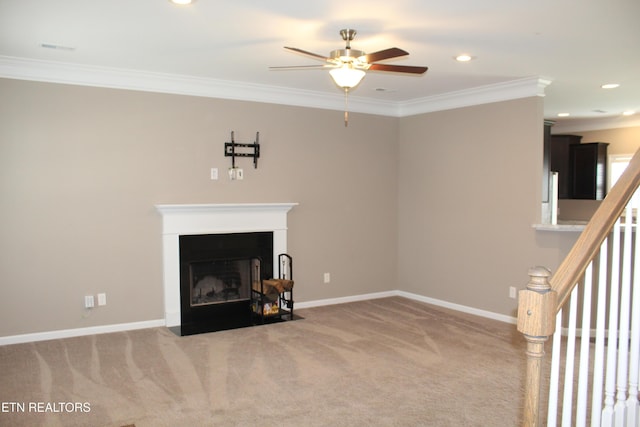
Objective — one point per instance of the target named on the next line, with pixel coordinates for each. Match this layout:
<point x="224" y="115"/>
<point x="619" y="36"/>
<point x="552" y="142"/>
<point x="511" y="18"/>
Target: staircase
<point x="590" y="307"/>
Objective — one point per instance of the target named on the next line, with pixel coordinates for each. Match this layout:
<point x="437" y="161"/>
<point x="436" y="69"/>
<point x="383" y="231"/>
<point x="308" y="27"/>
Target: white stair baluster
<point x="598" y="362"/>
<point x="623" y="325"/>
<point x="632" y="408"/>
<point x="583" y="371"/>
<point x="633" y="416"/>
<point x="612" y="344"/>
<point x="567" y="400"/>
<point x="554" y="377"/>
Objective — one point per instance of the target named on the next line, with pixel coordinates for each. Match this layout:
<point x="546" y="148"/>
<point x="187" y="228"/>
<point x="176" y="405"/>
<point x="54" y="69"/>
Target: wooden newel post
<point x="536" y="320"/>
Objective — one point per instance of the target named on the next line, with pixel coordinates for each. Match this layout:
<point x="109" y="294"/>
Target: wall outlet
<point x="327" y="277"/>
<point x="236" y="173"/>
<point x="512" y="292"/>
<point x="102" y="299"/>
<point x="88" y="301"/>
<point x="214" y="173"/>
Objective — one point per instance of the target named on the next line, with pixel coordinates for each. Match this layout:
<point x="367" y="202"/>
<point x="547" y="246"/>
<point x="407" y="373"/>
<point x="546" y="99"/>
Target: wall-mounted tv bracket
<point x="231" y="150"/>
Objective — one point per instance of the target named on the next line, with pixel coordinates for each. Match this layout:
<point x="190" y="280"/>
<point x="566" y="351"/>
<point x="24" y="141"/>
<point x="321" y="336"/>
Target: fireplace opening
<point x="216" y="274"/>
<point x="221" y="280"/>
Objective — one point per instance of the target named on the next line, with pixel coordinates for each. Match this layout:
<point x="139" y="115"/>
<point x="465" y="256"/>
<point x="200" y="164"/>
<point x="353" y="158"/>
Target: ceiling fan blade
<point x="298" y="67"/>
<point x="398" y="68"/>
<point x="381" y="55"/>
<point x="311" y="54"/>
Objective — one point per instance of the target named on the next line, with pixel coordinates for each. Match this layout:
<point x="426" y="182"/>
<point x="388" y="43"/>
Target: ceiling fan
<point x="348" y="66"/>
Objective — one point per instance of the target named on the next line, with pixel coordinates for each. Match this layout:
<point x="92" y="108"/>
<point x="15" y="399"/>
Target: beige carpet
<point x="385" y="362"/>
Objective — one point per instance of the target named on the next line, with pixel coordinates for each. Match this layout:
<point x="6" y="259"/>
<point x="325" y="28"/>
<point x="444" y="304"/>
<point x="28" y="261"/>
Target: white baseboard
<point x="458" y="307"/>
<point x="68" y="333"/>
<point x="343" y="300"/>
<point x="409" y="295"/>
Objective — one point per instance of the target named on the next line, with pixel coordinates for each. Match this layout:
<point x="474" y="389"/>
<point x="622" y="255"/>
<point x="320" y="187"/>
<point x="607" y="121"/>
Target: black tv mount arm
<point x="230" y="150"/>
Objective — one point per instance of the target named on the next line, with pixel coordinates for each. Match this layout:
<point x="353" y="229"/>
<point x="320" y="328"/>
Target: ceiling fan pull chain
<point x="346" y="107"/>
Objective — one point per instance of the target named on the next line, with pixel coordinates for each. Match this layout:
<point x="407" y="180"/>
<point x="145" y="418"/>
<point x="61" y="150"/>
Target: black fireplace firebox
<point x="216" y="271"/>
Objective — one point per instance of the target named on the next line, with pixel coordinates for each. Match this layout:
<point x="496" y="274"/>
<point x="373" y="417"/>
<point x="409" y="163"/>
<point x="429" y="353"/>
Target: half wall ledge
<point x="562" y="226"/>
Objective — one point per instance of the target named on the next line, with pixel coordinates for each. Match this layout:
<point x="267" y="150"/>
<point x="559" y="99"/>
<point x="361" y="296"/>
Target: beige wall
<point x="439" y="204"/>
<point x="621" y="140"/>
<point x="469" y="191"/>
<point x="81" y="169"/>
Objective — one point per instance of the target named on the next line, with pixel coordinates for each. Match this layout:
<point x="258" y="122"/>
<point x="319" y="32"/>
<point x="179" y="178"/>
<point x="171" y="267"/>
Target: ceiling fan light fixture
<point x="346" y="76"/>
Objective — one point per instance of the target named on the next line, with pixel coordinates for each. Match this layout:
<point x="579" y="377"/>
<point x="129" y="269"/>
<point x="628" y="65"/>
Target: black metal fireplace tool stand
<point x="272" y="299"/>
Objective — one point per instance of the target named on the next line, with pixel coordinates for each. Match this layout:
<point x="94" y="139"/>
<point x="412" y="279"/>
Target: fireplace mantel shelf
<point x="210" y="207"/>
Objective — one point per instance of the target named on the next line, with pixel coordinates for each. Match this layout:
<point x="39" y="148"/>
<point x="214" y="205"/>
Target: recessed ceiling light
<point x="628" y="113"/>
<point x="181" y="2"/>
<point x="610" y="86"/>
<point x="564" y="114"/>
<point x="463" y="58"/>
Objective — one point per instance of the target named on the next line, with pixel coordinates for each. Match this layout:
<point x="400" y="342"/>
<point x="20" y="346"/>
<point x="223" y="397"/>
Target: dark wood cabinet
<point x="582" y="168"/>
<point x="546" y="159"/>
<point x="588" y="166"/>
<point x="560" y="162"/>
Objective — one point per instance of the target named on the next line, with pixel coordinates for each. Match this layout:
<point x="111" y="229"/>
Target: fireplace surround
<point x="213" y="219"/>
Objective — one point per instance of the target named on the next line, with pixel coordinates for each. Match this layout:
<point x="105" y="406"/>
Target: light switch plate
<point x="88" y="301"/>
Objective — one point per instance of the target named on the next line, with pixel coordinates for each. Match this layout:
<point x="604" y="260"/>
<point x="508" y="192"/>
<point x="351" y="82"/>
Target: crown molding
<point x="504" y="91"/>
<point x="85" y="75"/>
<point x="592" y="124"/>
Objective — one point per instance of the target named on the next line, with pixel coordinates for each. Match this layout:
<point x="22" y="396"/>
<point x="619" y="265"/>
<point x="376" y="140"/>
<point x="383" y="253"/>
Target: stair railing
<point x="540" y="313"/>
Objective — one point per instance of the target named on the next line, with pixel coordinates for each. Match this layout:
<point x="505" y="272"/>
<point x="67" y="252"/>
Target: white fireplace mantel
<point x="196" y="219"/>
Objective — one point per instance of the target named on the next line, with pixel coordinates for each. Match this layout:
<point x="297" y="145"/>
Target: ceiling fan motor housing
<point x="346" y="55"/>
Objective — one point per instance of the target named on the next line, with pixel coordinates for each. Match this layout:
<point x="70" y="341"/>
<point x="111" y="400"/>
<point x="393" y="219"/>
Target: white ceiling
<point x="576" y="44"/>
